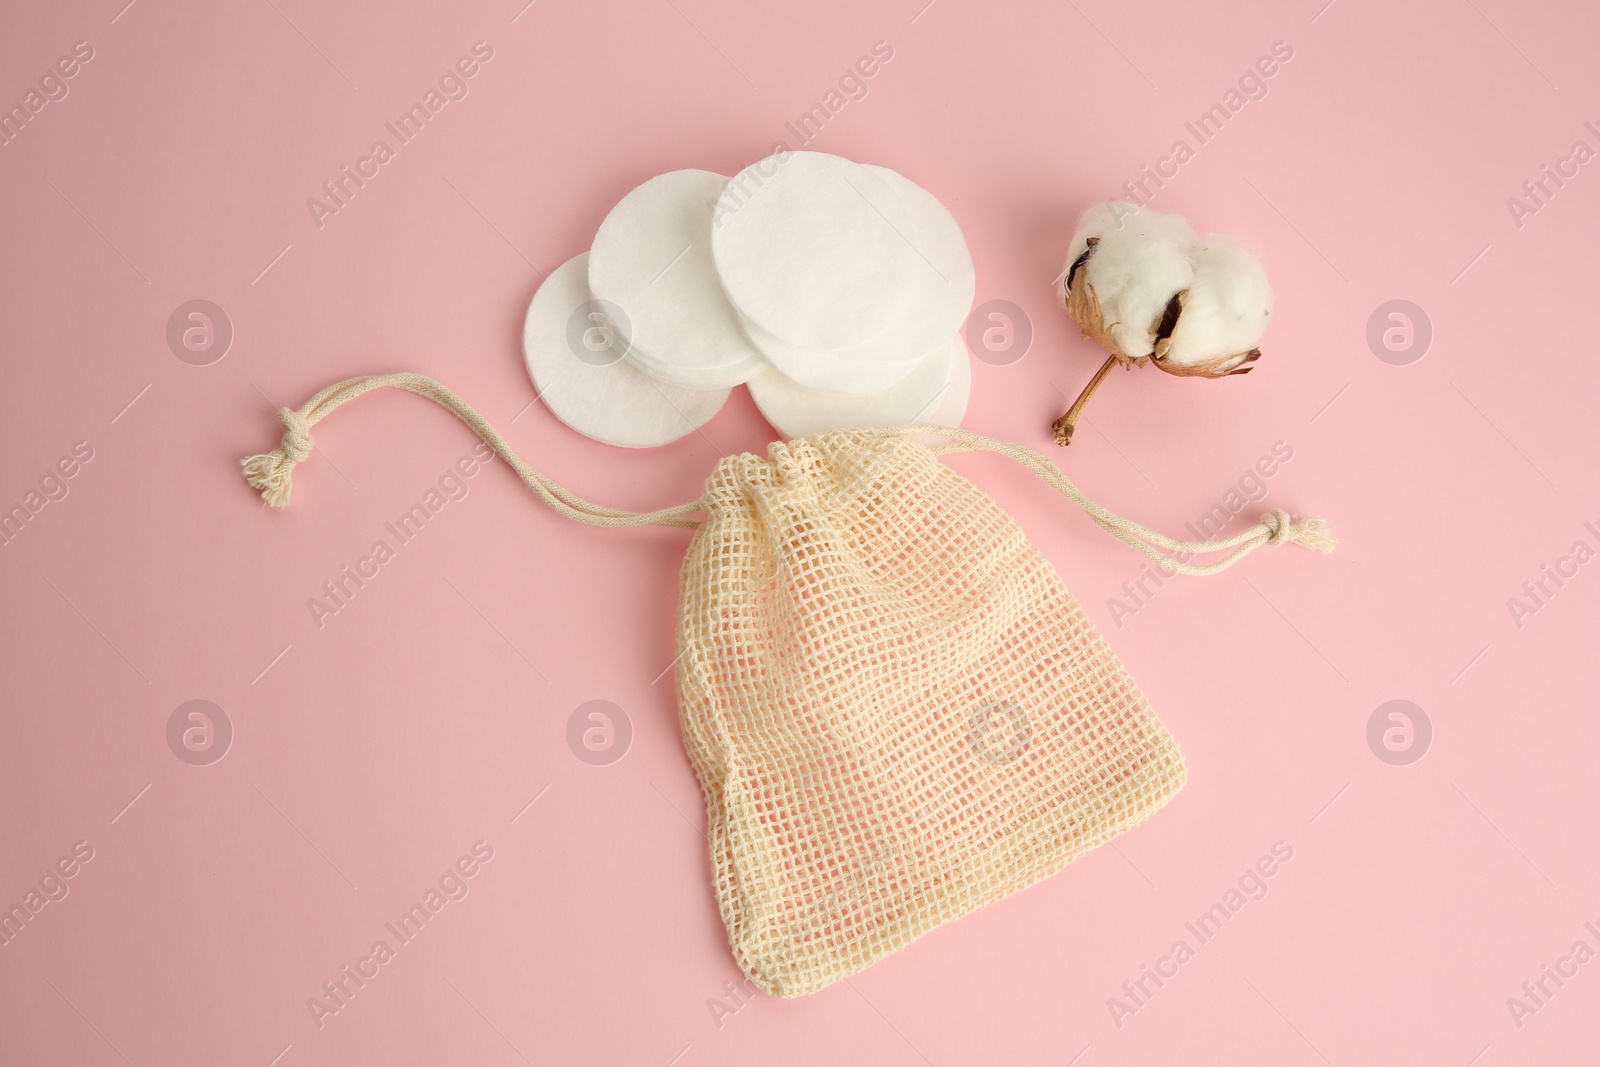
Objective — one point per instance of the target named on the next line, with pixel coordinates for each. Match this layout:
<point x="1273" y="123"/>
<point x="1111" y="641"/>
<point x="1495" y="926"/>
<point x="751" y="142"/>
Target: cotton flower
<point x="1148" y="290"/>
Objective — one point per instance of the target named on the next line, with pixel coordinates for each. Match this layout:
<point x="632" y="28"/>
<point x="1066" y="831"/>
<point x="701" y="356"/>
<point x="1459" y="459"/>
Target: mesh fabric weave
<point x="896" y="711"/>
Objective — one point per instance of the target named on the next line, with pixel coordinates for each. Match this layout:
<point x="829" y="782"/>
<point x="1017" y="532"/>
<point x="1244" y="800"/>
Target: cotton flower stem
<point x="1065" y="424"/>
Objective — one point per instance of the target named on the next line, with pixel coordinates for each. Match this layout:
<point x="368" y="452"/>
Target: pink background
<point x="371" y="753"/>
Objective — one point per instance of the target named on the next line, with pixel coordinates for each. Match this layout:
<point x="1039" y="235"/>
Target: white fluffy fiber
<point x="1227" y="308"/>
<point x="1144" y="257"/>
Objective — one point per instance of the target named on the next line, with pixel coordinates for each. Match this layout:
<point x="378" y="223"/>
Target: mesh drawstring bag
<point x="896" y="711"/>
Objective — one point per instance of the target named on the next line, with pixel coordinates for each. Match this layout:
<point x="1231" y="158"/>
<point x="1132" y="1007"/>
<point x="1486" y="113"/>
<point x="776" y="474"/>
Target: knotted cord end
<point x="273" y="472"/>
<point x="1309" y="531"/>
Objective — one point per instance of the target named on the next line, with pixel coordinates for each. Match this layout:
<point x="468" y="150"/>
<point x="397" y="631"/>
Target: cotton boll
<point x="1147" y="290"/>
<point x="1126" y="266"/>
<point x="1225" y="311"/>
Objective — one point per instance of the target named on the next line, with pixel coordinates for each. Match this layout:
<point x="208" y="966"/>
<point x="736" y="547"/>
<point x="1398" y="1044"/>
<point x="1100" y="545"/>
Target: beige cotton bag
<point x="896" y="711"/>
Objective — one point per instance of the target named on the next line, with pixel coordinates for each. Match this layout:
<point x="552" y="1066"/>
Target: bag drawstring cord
<point x="272" y="473"/>
<point x="1275" y="527"/>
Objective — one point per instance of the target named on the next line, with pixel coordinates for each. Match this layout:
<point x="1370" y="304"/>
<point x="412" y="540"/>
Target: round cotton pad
<point x="800" y="412"/>
<point x="573" y="346"/>
<point x="828" y="370"/>
<point x="952" y="406"/>
<point x="814" y="249"/>
<point x="944" y="283"/>
<point x="940" y="301"/>
<point x="652" y="258"/>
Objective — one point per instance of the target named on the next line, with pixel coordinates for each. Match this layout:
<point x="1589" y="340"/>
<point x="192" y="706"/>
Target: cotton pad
<point x="800" y="412"/>
<point x="941" y="297"/>
<point x="814" y="249"/>
<point x="952" y="406"/>
<point x="572" y="344"/>
<point x="944" y="283"/>
<point x="652" y="258"/>
<point x="1226" y="309"/>
<point x="829" y="370"/>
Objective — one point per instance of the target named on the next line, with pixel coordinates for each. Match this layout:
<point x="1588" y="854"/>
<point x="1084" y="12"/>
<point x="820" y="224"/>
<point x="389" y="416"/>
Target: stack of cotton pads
<point x="834" y="290"/>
